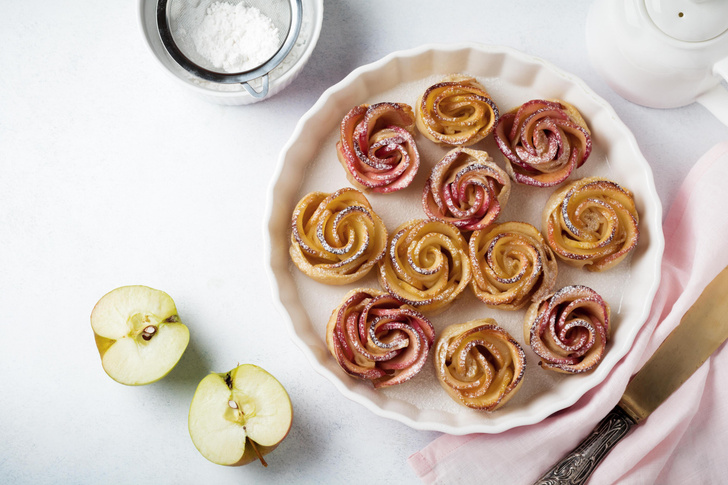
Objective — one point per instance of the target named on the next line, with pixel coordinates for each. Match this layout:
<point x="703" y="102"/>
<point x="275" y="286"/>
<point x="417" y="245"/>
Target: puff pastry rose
<point x="592" y="223"/>
<point x="456" y="111"/>
<point x="543" y="142"/>
<point x="512" y="265"/>
<point x="479" y="364"/>
<point x="426" y="264"/>
<point x="336" y="238"/>
<point x="375" y="337"/>
<point x="569" y="329"/>
<point x="377" y="147"/>
<point x="466" y="189"/>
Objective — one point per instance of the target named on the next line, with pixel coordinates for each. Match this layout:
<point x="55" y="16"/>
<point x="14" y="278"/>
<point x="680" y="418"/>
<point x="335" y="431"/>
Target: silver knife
<point x="703" y="328"/>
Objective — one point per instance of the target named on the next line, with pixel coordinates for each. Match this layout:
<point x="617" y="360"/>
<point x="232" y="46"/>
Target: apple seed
<point x="233" y="404"/>
<point x="149" y="332"/>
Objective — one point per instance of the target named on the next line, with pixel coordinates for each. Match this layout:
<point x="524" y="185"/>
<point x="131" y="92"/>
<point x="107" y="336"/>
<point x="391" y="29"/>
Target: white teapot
<point x="662" y="53"/>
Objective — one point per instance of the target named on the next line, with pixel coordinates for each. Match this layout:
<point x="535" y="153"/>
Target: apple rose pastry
<point x="376" y="337"/>
<point x="592" y="223"/>
<point x="377" y="147"/>
<point x="512" y="265"/>
<point x="479" y="364"/>
<point x="336" y="238"/>
<point x="543" y="142"/>
<point x="456" y="111"/>
<point x="568" y="330"/>
<point x="466" y="189"/>
<point x="426" y="265"/>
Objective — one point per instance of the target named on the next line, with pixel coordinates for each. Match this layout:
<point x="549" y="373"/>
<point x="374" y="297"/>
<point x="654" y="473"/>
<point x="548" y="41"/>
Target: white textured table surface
<point x="111" y="174"/>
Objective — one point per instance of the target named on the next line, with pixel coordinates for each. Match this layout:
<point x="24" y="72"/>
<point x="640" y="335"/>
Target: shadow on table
<point x="187" y="374"/>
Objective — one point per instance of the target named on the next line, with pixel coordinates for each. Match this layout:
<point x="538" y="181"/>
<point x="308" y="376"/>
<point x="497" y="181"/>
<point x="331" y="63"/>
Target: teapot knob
<point x="689" y="20"/>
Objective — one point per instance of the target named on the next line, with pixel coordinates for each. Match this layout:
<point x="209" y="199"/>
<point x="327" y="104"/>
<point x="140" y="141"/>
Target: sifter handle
<point x="576" y="467"/>
<point x="263" y="90"/>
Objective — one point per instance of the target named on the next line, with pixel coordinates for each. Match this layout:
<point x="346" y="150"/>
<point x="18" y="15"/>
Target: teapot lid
<point x="689" y="20"/>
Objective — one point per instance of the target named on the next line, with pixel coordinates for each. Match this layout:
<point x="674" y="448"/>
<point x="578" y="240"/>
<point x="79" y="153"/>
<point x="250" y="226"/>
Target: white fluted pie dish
<point x="308" y="162"/>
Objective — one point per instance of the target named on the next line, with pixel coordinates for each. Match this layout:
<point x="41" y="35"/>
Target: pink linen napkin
<point x="685" y="439"/>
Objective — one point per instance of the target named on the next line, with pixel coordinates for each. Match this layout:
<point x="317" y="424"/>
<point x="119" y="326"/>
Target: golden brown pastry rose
<point x="511" y="265"/>
<point x="591" y="222"/>
<point x="569" y="329"/>
<point x="467" y="189"/>
<point x="377" y="147"/>
<point x="543" y="142"/>
<point x="479" y="364"/>
<point x="336" y="238"/>
<point x="376" y="337"/>
<point x="456" y="111"/>
<point x="426" y="264"/>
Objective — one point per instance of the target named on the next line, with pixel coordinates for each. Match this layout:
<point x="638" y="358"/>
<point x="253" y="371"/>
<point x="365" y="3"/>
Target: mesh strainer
<point x="178" y="19"/>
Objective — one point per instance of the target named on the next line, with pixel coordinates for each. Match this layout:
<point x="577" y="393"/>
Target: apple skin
<point x="122" y="316"/>
<point x="210" y="408"/>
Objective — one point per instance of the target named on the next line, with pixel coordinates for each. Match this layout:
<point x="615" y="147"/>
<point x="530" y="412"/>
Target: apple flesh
<point x="138" y="334"/>
<point x="238" y="417"/>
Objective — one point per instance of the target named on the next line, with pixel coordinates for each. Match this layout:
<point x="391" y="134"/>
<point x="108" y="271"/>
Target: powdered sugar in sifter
<point x="177" y="20"/>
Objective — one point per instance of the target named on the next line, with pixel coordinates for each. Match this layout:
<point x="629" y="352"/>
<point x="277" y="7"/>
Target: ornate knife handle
<point x="577" y="466"/>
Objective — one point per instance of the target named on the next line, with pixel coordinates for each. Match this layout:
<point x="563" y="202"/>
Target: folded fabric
<point x="683" y="441"/>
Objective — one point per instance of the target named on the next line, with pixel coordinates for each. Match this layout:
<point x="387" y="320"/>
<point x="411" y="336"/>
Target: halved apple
<point x="138" y="334"/>
<point x="239" y="416"/>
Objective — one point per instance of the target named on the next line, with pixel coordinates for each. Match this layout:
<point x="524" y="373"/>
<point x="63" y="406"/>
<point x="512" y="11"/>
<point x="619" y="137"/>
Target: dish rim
<point x="656" y="247"/>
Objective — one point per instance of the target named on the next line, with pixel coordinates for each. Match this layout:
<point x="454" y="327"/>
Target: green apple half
<point x="239" y="416"/>
<point x="138" y="334"/>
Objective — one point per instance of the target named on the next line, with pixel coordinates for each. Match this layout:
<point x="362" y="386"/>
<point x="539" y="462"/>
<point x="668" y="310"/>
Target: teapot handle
<point x="715" y="100"/>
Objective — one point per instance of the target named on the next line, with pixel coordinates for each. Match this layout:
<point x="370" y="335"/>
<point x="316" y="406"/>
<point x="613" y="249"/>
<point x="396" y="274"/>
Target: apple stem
<point x="255" y="448"/>
<point x="149" y="332"/>
<point x="234" y="405"/>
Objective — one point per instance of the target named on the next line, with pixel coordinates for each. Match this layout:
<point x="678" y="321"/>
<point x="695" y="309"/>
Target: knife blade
<point x="702" y="329"/>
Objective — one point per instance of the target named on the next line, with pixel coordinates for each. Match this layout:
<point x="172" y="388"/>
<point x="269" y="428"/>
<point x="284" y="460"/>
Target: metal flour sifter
<point x="177" y="19"/>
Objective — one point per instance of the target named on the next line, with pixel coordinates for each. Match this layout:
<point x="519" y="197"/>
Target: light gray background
<point x="111" y="174"/>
